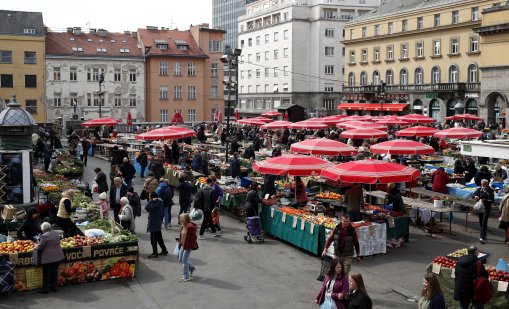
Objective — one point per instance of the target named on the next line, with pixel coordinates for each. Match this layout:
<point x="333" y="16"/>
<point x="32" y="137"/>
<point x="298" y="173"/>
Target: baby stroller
<point x="254" y="230"/>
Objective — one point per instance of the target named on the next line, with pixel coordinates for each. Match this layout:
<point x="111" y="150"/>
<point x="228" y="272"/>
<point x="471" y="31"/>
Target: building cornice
<point x="105" y="58"/>
<point x="493" y="68"/>
<point x="492" y="29"/>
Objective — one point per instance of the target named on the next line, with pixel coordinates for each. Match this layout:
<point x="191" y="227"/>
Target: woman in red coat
<point x="334" y="287"/>
<point x="187" y="243"/>
<point x="440" y="179"/>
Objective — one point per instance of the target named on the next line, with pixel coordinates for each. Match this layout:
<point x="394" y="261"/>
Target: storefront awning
<point x="392" y="107"/>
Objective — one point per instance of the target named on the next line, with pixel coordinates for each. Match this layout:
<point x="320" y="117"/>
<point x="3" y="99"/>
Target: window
<point x="124" y="50"/>
<point x="73" y="74"/>
<point x="258" y="57"/>
<point x="329" y="13"/>
<point x="420" y="23"/>
<point x="177" y="92"/>
<point x="101" y="50"/>
<point x="215" y="46"/>
<point x="404" y="25"/>
<point x="163" y="68"/>
<point x="132" y="75"/>
<point x="474" y="44"/>
<point x="116" y="75"/>
<point x="390" y="27"/>
<point x="364" y="55"/>
<point x="5" y="56"/>
<point x="191" y="69"/>
<point x="266" y="55"/>
<point x="329" y="33"/>
<point x="453" y="74"/>
<point x="267" y="72"/>
<point x="285" y="70"/>
<point x="329" y="87"/>
<point x="376" y="78"/>
<point x="213" y="92"/>
<point x="329" y="104"/>
<point x="329" y="51"/>
<point x="30" y="81"/>
<point x="352" y="56"/>
<point x="258" y="73"/>
<point x="436" y="48"/>
<point x="241" y="43"/>
<point x="475" y="13"/>
<point x="364" y="32"/>
<point x="191" y="92"/>
<point x="390" y="52"/>
<point x="30" y="58"/>
<point x="249" y="74"/>
<point x="419" y="50"/>
<point x="274" y="72"/>
<point x="56" y="74"/>
<point x="191" y="115"/>
<point x="389" y="77"/>
<point x="163" y="115"/>
<point x="285" y="52"/>
<point x="73" y="99"/>
<point x="57" y="101"/>
<point x="376" y="54"/>
<point x="249" y="42"/>
<point x="117" y="102"/>
<point x="276" y="53"/>
<point x="472" y="73"/>
<point x="404" y="51"/>
<point x="454" y="46"/>
<point x="177" y="69"/>
<point x="28" y="30"/>
<point x="403" y="77"/>
<point x="418" y="76"/>
<point x="351" y="79"/>
<point x="435" y="75"/>
<point x="266" y="38"/>
<point x="285" y="87"/>
<point x="31" y="106"/>
<point x="93" y="100"/>
<point x="352" y="34"/>
<point x="329" y="70"/>
<point x="6" y="81"/>
<point x="132" y="100"/>
<point x="455" y="16"/>
<point x="162" y="45"/>
<point x="377" y="29"/>
<point x="213" y="69"/>
<point x="258" y="40"/>
<point x="163" y="92"/>
<point x="285" y="35"/>
<point x="364" y="78"/>
<point x="436" y="20"/>
<point x="276" y="36"/>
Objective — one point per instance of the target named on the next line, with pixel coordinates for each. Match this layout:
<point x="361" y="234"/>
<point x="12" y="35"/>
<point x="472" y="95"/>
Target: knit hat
<point x="124" y="200"/>
<point x="103" y="196"/>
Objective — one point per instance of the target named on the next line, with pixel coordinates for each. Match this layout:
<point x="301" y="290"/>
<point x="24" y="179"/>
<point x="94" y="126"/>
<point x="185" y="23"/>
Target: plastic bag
<point x="95" y="187"/>
<point x="176" y="250"/>
<point x="195" y="214"/>
<point x="479" y="206"/>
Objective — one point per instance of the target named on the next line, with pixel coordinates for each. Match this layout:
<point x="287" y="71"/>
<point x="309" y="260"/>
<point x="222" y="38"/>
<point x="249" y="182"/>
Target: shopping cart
<point x="254" y="230"/>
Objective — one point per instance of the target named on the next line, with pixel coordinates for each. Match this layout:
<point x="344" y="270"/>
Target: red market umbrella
<point x="356" y="118"/>
<point x="370" y="171"/>
<point x="392" y="122"/>
<point x="251" y="122"/>
<point x="272" y="114"/>
<point x="168" y="132"/>
<point x="348" y="124"/>
<point x="129" y="119"/>
<point x="177" y="118"/>
<point x="262" y="119"/>
<point x="362" y="125"/>
<point x="280" y="124"/>
<point x="108" y="121"/>
<point x="401" y="147"/>
<point x="458" y="133"/>
<point x="363" y="133"/>
<point x="463" y="117"/>
<point x="417" y="131"/>
<point x="293" y="165"/>
<point x="322" y="146"/>
<point x="308" y="125"/>
<point x="417" y="118"/>
<point x="328" y="122"/>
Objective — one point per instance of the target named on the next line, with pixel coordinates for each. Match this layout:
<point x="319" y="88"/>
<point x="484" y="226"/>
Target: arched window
<point x="418" y="76"/>
<point x="389" y="78"/>
<point x="403" y="77"/>
<point x="473" y="74"/>
<point x="435" y="75"/>
<point x="376" y="78"/>
<point x="451" y="111"/>
<point x="453" y="74"/>
<point x="351" y="79"/>
<point x="364" y="78"/>
<point x="434" y="107"/>
<point x="471" y="107"/>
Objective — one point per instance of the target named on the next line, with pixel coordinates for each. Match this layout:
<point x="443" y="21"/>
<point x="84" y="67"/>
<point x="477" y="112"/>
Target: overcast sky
<point x="115" y="15"/>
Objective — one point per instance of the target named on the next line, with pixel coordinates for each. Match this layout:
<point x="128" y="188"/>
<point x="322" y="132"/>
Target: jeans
<point x="483" y="221"/>
<point x="167" y="215"/>
<point x="207" y="222"/>
<point x="49" y="276"/>
<point x="466" y="305"/>
<point x="184" y="258"/>
<point x="142" y="170"/>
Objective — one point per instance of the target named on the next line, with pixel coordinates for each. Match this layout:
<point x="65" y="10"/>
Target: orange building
<point x="183" y="73"/>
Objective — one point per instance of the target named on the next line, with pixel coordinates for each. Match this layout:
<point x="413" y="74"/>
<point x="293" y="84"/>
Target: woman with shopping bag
<point x="334" y="287"/>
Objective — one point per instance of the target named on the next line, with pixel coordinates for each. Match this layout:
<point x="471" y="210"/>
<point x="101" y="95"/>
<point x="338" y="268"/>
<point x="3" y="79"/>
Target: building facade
<point x="292" y="53"/>
<point x="426" y="54"/>
<point x="225" y="15"/>
<point x="74" y="64"/>
<point x="184" y="73"/>
<point x="22" y="60"/>
<point x="494" y="32"/>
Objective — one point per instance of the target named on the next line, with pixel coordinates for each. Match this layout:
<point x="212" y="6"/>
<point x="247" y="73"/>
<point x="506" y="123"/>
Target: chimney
<point x="69" y="30"/>
<point x="102" y="32"/>
<point x="92" y="30"/>
<point x="77" y="30"/>
<point x="134" y="34"/>
<point x="127" y="32"/>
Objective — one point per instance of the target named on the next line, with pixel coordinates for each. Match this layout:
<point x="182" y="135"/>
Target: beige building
<point x="424" y="55"/>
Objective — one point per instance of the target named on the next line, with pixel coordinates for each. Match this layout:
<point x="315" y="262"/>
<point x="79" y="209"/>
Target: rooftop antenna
<point x="171" y="23"/>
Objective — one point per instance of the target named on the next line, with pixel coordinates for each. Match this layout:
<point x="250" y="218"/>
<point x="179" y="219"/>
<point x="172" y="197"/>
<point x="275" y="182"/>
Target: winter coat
<point x="340" y="286"/>
<point x="487" y="196"/>
<point x="394" y="197"/>
<point x="465" y="273"/>
<point x="185" y="193"/>
<point x="205" y="199"/>
<point x="345" y="241"/>
<point x="102" y="182"/>
<point x="440" y="179"/>
<point x="470" y="172"/>
<point x="155" y="215"/>
<point x="29" y="228"/>
<point x="128" y="171"/>
<point x="113" y="194"/>
<point x="197" y="163"/>
<point x="49" y="247"/>
<point x="151" y="184"/>
<point x="158" y="170"/>
<point x="504" y="209"/>
<point x="252" y="200"/>
<point x="235" y="167"/>
<point x="188" y="241"/>
<point x="134" y="201"/>
<point x="165" y="193"/>
<point x="459" y="167"/>
<point x="127" y="214"/>
<point x="357" y="300"/>
<point x="482" y="175"/>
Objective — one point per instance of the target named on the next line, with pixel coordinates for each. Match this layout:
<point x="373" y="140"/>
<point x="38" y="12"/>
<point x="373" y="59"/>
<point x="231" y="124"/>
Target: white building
<point x="74" y="64"/>
<point x="292" y="53"/>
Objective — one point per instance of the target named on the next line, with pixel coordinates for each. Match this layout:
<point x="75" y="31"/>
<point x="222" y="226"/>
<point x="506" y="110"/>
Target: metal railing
<point x="446" y="87"/>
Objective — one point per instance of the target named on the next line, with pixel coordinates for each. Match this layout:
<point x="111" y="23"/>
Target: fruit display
<point x="87" y="271"/>
<point x="375" y="208"/>
<point x="80" y="241"/>
<point x="458" y="253"/>
<point x="498" y="275"/>
<point x="17" y="246"/>
<point x="283" y="184"/>
<point x="445" y="262"/>
<point x="270" y="201"/>
<point x="235" y="191"/>
<point x="361" y="223"/>
<point x="292" y="211"/>
<point x="329" y="195"/>
<point x="123" y="236"/>
<point x="328" y="222"/>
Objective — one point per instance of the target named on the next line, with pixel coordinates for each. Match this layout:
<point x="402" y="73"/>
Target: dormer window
<point x="77" y="49"/>
<point x="161" y="44"/>
<point x="29" y="30"/>
<point x="125" y="50"/>
<point x="182" y="45"/>
<point x="89" y="40"/>
<point x="101" y="50"/>
<point x="71" y="39"/>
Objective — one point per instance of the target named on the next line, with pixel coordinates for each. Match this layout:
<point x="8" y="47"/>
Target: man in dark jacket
<point x="206" y="201"/>
<point x="86" y="147"/>
<point x="101" y="180"/>
<point x="345" y="241"/>
<point x="158" y="170"/>
<point x="249" y="152"/>
<point x="128" y="171"/>
<point x="235" y="165"/>
<point x="134" y="201"/>
<point x="197" y="164"/>
<point x="116" y="156"/>
<point x="269" y="185"/>
<point x="465" y="273"/>
<point x="30" y="227"/>
<point x="165" y="193"/>
<point x="185" y="194"/>
<point x="143" y="160"/>
<point x="486" y="194"/>
<point x="459" y="165"/>
<point x="117" y="191"/>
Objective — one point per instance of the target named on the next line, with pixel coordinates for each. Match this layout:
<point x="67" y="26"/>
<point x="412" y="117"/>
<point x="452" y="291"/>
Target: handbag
<point x="482" y="287"/>
<point x="479" y="207"/>
<point x="143" y="195"/>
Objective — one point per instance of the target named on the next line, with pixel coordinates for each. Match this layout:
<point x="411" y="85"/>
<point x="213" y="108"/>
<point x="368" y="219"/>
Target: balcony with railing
<point x="441" y="87"/>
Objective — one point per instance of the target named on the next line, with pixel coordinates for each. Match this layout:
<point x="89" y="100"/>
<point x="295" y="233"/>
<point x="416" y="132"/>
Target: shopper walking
<point x="205" y="200"/>
<point x="485" y="194"/>
<point x="345" y="242"/>
<point x="465" y="273"/>
<point x="155" y="216"/>
<point x="127" y="171"/>
<point x="51" y="255"/>
<point x="117" y="191"/>
<point x="165" y="193"/>
<point x="101" y="180"/>
<point x="142" y="159"/>
<point x="151" y="183"/>
<point x="334" y="287"/>
<point x="185" y="195"/>
<point x="187" y="242"/>
<point x="252" y="201"/>
<point x="126" y="215"/>
<point x="357" y="297"/>
<point x="134" y="201"/>
<point x="504" y="215"/>
<point x="431" y="294"/>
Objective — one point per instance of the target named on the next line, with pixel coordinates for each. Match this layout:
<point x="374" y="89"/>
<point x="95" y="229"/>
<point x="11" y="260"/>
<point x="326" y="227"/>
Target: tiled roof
<point x="172" y="38"/>
<point x="15" y="22"/>
<point x="92" y="45"/>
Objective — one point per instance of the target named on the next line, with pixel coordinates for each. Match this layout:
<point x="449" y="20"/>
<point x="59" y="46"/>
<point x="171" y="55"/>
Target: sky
<point x="115" y="15"/>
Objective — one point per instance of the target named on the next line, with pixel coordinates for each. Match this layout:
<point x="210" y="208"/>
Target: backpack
<point x="482" y="287"/>
<point x="166" y="195"/>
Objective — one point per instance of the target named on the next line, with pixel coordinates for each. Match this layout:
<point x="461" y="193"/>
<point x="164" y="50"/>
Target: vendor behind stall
<point x="354" y="200"/>
<point x="394" y="197"/>
<point x="439" y="180"/>
<point x="64" y="215"/>
<point x="268" y="185"/>
<point x="30" y="227"/>
<point x="301" y="197"/>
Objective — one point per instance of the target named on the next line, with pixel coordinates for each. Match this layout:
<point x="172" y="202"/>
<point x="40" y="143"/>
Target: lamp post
<point x="232" y="59"/>
<point x="381" y="95"/>
<point x="100" y="93"/>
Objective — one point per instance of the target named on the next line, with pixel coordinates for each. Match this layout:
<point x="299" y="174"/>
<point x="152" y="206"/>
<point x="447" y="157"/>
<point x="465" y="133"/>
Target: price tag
<point x="34" y="277"/>
<point x="294" y="225"/>
<point x="502" y="286"/>
<point x="283" y="217"/>
<point x="87" y="251"/>
<point x="312" y="230"/>
<point x="436" y="268"/>
<point x="227" y="196"/>
<point x="13" y="257"/>
<point x="272" y="212"/>
<point x="391" y="223"/>
<point x="266" y="196"/>
<point x="302" y="225"/>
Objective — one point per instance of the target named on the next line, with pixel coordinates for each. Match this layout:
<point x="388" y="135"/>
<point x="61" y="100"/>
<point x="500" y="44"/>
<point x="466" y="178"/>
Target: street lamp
<point x="232" y="59"/>
<point x="100" y="93"/>
<point x="381" y="95"/>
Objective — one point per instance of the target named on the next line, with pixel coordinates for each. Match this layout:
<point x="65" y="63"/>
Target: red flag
<point x="220" y="118"/>
<point x="216" y="115"/>
<point x="237" y="115"/>
<point x="285" y="116"/>
<point x="129" y="119"/>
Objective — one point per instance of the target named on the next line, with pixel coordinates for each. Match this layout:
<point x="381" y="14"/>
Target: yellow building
<point x="424" y="53"/>
<point x="22" y="65"/>
<point x="494" y="32"/>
